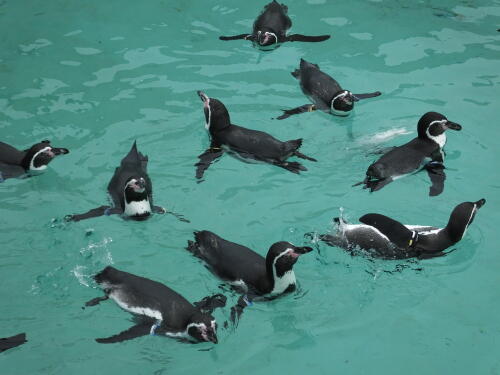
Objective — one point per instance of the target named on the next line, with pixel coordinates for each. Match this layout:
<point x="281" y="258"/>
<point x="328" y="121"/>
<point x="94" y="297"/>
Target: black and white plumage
<point x="242" y="142"/>
<point x="13" y="341"/>
<point x="161" y="311"/>
<point x="17" y="163"/>
<point x="325" y="92"/>
<point x="424" y="151"/>
<point x="246" y="270"/>
<point x="270" y="28"/>
<point x="130" y="190"/>
<point x="383" y="237"/>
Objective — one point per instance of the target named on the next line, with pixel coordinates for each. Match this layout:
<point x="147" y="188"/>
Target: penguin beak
<point x="298" y="251"/>
<point x="480" y="203"/>
<point x="60" y="151"/>
<point x="141" y="184"/>
<point x="204" y="97"/>
<point x="453" y="125"/>
<point x="212" y="337"/>
<point x="354" y="98"/>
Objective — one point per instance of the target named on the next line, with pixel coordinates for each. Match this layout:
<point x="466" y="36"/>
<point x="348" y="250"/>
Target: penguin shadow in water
<point x="270" y="29"/>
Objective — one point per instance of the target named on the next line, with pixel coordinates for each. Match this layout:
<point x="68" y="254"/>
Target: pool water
<point x="93" y="76"/>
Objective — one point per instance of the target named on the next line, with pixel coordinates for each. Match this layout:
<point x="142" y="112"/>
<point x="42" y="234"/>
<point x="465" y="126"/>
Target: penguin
<point x="247" y="271"/>
<point x="159" y="309"/>
<point x="12" y="342"/>
<point x="270" y="28"/>
<point x="386" y="238"/>
<point x="130" y="189"/>
<point x="32" y="161"/>
<point x="424" y="151"/>
<point x="244" y="143"/>
<point x="325" y="92"/>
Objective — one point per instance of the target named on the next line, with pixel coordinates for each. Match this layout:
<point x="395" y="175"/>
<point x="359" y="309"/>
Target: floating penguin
<point x="161" y="310"/>
<point x="17" y="163"/>
<point x="325" y="92"/>
<point x="130" y="189"/>
<point x="242" y="142"/>
<point x="424" y="151"/>
<point x="387" y="238"/>
<point x="269" y="29"/>
<point x="248" y="272"/>
<point x="12" y="342"/>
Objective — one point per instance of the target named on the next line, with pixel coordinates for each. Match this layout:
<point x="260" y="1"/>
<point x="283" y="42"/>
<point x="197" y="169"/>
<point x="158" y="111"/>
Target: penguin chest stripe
<point x="138" y="310"/>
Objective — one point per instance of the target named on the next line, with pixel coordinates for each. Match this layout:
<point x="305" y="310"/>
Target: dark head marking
<point x="216" y="114"/>
<point x="342" y="103"/>
<point x="203" y="327"/>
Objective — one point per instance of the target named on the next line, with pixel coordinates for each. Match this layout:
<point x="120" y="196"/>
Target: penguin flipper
<point x="95" y="212"/>
<point x="12" y="342"/>
<point x="437" y="176"/>
<point x="235" y="37"/>
<point x="96" y="301"/>
<point x="207" y="158"/>
<point x="367" y="95"/>
<point x="306" y="38"/>
<point x="237" y="309"/>
<point x="396" y="232"/>
<point x="295" y="111"/>
<point x="133" y="332"/>
<point x="209" y="304"/>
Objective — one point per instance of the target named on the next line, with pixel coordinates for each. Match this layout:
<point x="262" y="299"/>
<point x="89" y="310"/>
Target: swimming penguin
<point x="247" y="271"/>
<point x="12" y="342"/>
<point x="130" y="189"/>
<point x="269" y="29"/>
<point x="242" y="142"/>
<point x="161" y="310"/>
<point x="387" y="238"/>
<point x="424" y="151"/>
<point x="17" y="163"/>
<point x="325" y="92"/>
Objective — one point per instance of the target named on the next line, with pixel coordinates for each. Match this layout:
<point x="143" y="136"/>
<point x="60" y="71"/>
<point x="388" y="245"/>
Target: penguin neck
<point x="280" y="281"/>
<point x="440" y="139"/>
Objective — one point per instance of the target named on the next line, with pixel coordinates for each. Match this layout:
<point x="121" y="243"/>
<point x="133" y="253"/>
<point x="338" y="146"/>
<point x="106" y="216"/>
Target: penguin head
<point x="461" y="217"/>
<point x="282" y="256"/>
<point x="432" y="126"/>
<point x="342" y="103"/>
<point x="216" y="114"/>
<point x="266" y="39"/>
<point x="203" y="327"/>
<point x="40" y="155"/>
<point x="135" y="186"/>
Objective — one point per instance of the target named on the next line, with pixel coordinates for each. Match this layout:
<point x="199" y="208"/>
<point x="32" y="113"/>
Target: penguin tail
<point x="194" y="246"/>
<point x="296" y="73"/>
<point x="292" y="146"/>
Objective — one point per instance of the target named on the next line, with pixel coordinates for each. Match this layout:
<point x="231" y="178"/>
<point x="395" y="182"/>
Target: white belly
<point x="137" y="208"/>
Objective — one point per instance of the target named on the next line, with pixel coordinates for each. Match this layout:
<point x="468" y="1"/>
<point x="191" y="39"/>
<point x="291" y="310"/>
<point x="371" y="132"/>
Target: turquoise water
<point x="93" y="76"/>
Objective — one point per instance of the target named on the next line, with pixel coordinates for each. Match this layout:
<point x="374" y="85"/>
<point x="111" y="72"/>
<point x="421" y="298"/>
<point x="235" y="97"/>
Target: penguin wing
<point x="437" y="177"/>
<point x="206" y="159"/>
<point x="396" y="232"/>
<point x="255" y="143"/>
<point x="10" y="171"/>
<point x="10" y="155"/>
